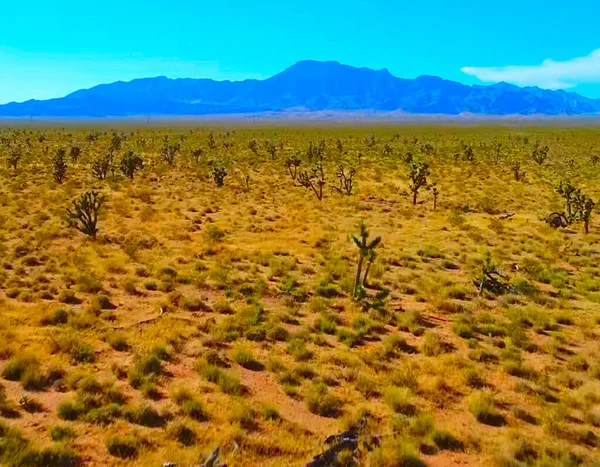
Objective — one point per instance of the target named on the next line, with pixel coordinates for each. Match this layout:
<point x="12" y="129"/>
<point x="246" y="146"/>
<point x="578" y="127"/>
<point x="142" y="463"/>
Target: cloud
<point x="549" y="74"/>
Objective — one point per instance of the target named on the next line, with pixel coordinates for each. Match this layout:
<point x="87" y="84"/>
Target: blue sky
<point x="50" y="48"/>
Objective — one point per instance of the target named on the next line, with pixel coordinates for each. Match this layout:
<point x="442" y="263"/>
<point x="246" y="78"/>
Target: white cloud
<point x="549" y="74"/>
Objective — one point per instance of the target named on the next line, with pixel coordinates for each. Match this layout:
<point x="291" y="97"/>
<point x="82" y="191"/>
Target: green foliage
<point x="83" y="216"/>
<point x="418" y="173"/>
<point x="59" y="166"/>
<point x="130" y="164"/>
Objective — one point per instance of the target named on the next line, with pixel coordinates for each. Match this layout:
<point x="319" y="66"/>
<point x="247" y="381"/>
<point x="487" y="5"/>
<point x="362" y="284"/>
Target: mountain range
<point x="306" y="86"/>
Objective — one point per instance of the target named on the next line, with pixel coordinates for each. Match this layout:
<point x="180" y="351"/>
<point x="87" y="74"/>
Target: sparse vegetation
<point x="209" y="310"/>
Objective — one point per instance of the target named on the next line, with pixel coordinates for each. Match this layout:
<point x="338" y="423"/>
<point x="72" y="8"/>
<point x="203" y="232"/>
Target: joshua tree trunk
<point x="415" y="197"/>
<point x="364" y="281"/>
<point x="586" y="224"/>
<point x="358" y="271"/>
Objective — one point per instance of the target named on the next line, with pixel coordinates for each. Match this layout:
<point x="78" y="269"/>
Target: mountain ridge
<point x="309" y="84"/>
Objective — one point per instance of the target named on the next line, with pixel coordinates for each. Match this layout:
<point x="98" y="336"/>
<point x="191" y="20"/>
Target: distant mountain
<point x="310" y="86"/>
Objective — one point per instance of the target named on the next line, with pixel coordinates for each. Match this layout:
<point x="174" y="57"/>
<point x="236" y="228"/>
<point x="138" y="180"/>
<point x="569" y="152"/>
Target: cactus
<point x="316" y="151"/>
<point x="84" y="214"/>
<point x="292" y="164"/>
<point x="115" y="143"/>
<point x="197" y="154"/>
<point x="583" y="207"/>
<point x="59" y="166"/>
<point x="169" y="151"/>
<point x="14" y="158"/>
<point x="517" y="172"/>
<point x="253" y="146"/>
<point x="102" y="166"/>
<point x="211" y="142"/>
<point x="130" y="164"/>
<point x="566" y="189"/>
<point x="272" y="148"/>
<point x="75" y="154"/>
<point x="435" y="192"/>
<point x="219" y="174"/>
<point x="346" y="180"/>
<point x="366" y="251"/>
<point x="539" y="153"/>
<point x="314" y="180"/>
<point x="498" y="152"/>
<point x="419" y="170"/>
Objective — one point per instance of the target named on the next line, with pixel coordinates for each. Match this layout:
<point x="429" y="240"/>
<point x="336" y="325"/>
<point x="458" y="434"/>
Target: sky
<point x="51" y="48"/>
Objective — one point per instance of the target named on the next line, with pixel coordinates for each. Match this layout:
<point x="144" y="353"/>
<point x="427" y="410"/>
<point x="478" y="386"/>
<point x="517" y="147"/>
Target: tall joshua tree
<point x="366" y="251"/>
<point x="418" y="172"/>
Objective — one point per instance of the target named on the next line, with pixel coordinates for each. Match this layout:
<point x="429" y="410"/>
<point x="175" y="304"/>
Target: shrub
<point x="60" y="316"/>
<point x="228" y="383"/>
<point x="482" y="406"/>
<point x="61" y="433"/>
<point x="125" y="448"/>
<point x="144" y="415"/>
<point x="244" y="357"/>
<point x="321" y="402"/>
<point x="432" y="345"/>
<point x="399" y="399"/>
<point x="16" y="367"/>
<point x="182" y="433"/>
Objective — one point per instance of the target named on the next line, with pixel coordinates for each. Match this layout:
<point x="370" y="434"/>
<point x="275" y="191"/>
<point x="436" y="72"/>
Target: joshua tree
<point x="339" y="145"/>
<point x="292" y="164"/>
<point x="197" y="154"/>
<point x="498" y="152"/>
<point x="272" y="148"/>
<point x="595" y="159"/>
<point x="346" y="180"/>
<point x="212" y="143"/>
<point x="59" y="166"/>
<point x="370" y="141"/>
<point x="540" y="153"/>
<point x="115" y="143"/>
<point x="14" y="158"/>
<point x="316" y="151"/>
<point x="169" y="151"/>
<point x="219" y="174"/>
<point x="75" y="153"/>
<point x="84" y="214"/>
<point x="314" y="180"/>
<point x="583" y="206"/>
<point x="436" y="192"/>
<point x="130" y="164"/>
<point x="516" y="169"/>
<point x="387" y="149"/>
<point x="102" y="166"/>
<point x="419" y="170"/>
<point x="366" y="250"/>
<point x="566" y="189"/>
<point x="253" y="146"/>
<point x="468" y="154"/>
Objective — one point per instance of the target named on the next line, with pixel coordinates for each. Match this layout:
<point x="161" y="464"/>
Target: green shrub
<point x="432" y="345"/>
<point x="125" y="448"/>
<point x="482" y="406"/>
<point x="182" y="433"/>
<point x="61" y="433"/>
<point x="16" y="367"/>
<point x="399" y="399"/>
<point x="321" y="402"/>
